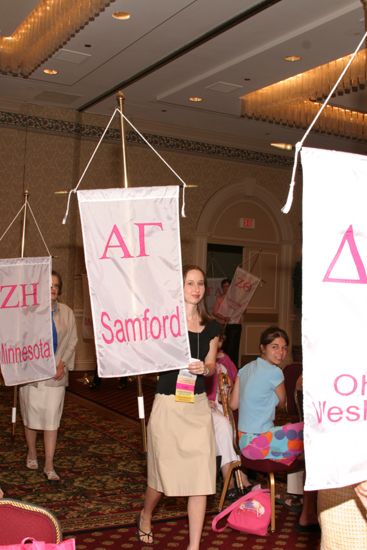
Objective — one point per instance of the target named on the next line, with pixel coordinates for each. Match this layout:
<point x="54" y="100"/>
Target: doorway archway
<point x="272" y="234"/>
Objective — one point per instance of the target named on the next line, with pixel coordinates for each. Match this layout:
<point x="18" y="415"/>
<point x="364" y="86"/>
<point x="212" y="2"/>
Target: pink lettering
<point x="349" y="238"/>
<point x="120" y="244"/>
<point x="320" y="411"/>
<point x="242" y="283"/>
<point x="105" y="315"/>
<point x="17" y="354"/>
<point x="141" y="228"/>
<point x="5" y="302"/>
<point x="32" y="293"/>
<point x="145" y="321"/>
<point x="353" y="411"/>
<point x="155" y="321"/>
<point x="335" y="414"/>
<point x="165" y="319"/>
<point x="338" y="381"/>
<point x="140" y="328"/>
<point x="175" y="320"/>
<point x="120" y="334"/>
<point x="135" y="325"/>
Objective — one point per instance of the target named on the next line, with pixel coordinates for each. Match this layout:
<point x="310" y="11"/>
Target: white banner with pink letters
<point x="133" y="259"/>
<point x="334" y="324"/>
<point x="239" y="294"/>
<point x="26" y="353"/>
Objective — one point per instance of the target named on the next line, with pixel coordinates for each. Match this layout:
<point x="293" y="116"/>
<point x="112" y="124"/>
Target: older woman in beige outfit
<point x="42" y="402"/>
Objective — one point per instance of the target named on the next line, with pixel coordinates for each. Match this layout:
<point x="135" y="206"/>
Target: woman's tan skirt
<point x="41" y="406"/>
<point x="181" y="447"/>
<point x="342" y="519"/>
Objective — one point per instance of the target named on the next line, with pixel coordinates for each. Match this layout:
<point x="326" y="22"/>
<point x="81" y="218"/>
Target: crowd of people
<point x="189" y="424"/>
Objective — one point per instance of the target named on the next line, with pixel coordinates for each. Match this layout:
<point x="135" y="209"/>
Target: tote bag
<point x="250" y="514"/>
<point x="32" y="544"/>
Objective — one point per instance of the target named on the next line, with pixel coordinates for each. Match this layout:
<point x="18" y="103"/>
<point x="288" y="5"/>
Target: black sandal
<point x="294" y="503"/>
<point x="140" y="533"/>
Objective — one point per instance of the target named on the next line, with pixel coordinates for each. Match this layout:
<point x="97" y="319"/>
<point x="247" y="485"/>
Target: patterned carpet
<point x="174" y="535"/>
<point x="102" y="466"/>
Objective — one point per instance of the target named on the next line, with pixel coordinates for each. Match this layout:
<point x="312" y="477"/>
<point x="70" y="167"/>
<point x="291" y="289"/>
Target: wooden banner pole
<point x="22" y="247"/>
<point x="140" y="396"/>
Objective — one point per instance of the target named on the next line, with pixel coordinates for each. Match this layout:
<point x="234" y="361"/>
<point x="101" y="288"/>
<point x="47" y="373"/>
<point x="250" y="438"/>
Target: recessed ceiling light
<point x="121" y="15"/>
<point x="284" y="146"/>
<point x="50" y="71"/>
<point x="292" y="58"/>
<point x="196" y="99"/>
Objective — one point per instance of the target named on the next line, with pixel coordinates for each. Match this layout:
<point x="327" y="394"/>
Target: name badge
<point x="185" y="386"/>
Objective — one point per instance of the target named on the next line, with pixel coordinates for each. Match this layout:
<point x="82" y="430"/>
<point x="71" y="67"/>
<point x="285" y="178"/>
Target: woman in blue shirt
<point x="258" y="390"/>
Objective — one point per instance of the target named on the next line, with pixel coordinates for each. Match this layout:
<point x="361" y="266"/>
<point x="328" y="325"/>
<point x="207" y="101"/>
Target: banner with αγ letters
<point x="26" y="352"/>
<point x="334" y="323"/>
<point x="133" y="259"/>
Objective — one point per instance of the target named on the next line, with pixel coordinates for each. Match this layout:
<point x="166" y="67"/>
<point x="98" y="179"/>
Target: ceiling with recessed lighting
<point x="215" y="52"/>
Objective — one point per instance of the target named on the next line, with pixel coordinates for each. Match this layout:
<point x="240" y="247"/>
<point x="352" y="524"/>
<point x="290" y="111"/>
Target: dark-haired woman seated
<point x="258" y="390"/>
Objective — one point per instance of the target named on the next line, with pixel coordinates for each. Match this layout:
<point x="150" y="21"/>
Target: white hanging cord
<point x="286" y="208"/>
<point x="39" y="230"/>
<point x="86" y="168"/>
<point x="162" y="159"/>
<point x="126" y="183"/>
<point x="11" y="223"/>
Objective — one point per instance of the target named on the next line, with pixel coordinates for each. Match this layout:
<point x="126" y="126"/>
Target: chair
<point x="271" y="467"/>
<point x="224" y="386"/>
<point x="291" y="374"/>
<point x="19" y="520"/>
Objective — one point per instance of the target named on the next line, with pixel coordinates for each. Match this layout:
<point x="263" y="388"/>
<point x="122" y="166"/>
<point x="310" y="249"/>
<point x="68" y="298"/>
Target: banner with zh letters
<point x="26" y="353"/>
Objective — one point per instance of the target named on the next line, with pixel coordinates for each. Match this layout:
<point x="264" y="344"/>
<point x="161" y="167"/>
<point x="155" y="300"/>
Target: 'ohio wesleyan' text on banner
<point x="334" y="320"/>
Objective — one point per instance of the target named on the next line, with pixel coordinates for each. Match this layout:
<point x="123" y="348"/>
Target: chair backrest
<point x="19" y="520"/>
<point x="291" y="374"/>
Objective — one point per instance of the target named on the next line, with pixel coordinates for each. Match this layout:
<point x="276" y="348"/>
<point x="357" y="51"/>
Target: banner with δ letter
<point x="133" y="259"/>
<point x="334" y="322"/>
<point x="26" y="353"/>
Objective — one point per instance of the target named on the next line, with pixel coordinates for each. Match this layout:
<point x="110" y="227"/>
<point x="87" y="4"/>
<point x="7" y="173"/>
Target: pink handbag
<point x="32" y="544"/>
<point x="250" y="514"/>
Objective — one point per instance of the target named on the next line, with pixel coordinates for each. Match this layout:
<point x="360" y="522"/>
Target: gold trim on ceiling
<point x="45" y="30"/>
<point x="295" y="101"/>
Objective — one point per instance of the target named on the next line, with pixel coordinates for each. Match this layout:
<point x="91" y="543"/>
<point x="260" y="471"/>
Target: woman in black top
<point x="181" y="445"/>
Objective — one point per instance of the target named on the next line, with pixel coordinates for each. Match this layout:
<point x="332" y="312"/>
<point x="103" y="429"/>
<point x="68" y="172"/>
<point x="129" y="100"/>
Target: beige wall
<point x="45" y="151"/>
